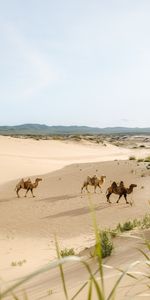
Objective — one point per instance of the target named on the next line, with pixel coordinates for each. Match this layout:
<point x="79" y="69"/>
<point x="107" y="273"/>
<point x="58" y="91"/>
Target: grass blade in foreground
<point x="61" y="270"/>
<point x="90" y="290"/>
<point x="83" y="286"/>
<point x="113" y="291"/>
<point x="98" y="245"/>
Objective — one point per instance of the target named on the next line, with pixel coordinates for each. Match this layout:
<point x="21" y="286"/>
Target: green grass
<point x="140" y="159"/>
<point x="147" y="159"/>
<point x="126" y="226"/>
<point x="132" y="158"/>
<point x="143" y="223"/>
<point x="67" y="252"/>
<point x="18" y="263"/>
<point x="106" y="243"/>
<point x="50" y="292"/>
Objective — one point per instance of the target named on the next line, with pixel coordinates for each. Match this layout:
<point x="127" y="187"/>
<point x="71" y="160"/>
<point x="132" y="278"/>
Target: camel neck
<point x="130" y="190"/>
<point x="35" y="183"/>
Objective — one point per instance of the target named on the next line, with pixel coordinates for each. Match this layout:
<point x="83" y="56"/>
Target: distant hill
<point x="37" y="129"/>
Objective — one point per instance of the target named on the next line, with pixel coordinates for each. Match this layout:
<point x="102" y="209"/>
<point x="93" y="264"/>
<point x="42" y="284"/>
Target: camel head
<point x="38" y="179"/>
<point x="133" y="185"/>
<point x="103" y="177"/>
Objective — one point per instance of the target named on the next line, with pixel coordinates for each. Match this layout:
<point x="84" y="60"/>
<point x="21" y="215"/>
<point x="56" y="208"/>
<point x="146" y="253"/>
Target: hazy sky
<point x="84" y="62"/>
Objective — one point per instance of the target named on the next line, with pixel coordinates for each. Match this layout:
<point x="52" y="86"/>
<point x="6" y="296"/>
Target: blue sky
<point x="75" y="62"/>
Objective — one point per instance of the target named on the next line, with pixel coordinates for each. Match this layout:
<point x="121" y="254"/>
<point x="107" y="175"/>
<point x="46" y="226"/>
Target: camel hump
<point x="92" y="179"/>
<point x="121" y="184"/>
<point x="114" y="184"/>
<point x="20" y="184"/>
<point x="88" y="179"/>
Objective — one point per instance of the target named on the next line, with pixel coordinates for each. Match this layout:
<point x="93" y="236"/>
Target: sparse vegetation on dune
<point x="103" y="249"/>
<point x="147" y="159"/>
<point x="143" y="223"/>
<point x="132" y="158"/>
<point x="140" y="159"/>
<point x="18" y="263"/>
<point x="106" y="243"/>
<point x="67" y="252"/>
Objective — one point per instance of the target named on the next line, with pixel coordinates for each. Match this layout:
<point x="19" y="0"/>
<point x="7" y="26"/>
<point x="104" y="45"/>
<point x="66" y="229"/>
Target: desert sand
<point x="28" y="225"/>
<point x="27" y="157"/>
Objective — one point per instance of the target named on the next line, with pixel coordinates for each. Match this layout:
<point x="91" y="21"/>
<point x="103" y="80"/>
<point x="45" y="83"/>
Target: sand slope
<point x="26" y="157"/>
<point x="28" y="225"/>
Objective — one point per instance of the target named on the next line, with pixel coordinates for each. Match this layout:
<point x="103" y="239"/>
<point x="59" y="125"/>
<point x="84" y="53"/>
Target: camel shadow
<point x="59" y="198"/>
<point x="77" y="212"/>
<point x="6" y="200"/>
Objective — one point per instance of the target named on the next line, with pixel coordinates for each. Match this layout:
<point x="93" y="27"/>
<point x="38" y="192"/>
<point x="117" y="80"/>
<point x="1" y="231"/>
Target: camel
<point x="94" y="181"/>
<point x="120" y="190"/>
<point x="27" y="185"/>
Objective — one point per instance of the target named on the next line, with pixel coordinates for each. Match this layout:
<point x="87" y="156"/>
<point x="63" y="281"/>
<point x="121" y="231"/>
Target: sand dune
<point x="28" y="225"/>
<point x="26" y="157"/>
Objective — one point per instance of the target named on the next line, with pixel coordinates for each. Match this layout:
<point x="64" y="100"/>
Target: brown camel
<point x="120" y="190"/>
<point x="94" y="181"/>
<point x="27" y="185"/>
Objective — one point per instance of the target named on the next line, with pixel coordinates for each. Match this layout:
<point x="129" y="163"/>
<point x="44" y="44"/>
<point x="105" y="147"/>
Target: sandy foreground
<point x="28" y="225"/>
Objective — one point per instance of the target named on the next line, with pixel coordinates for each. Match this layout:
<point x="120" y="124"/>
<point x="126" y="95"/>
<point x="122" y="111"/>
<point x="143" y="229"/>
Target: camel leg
<point x="32" y="193"/>
<point x="83" y="186"/>
<point x="87" y="188"/>
<point x="17" y="192"/>
<point x="119" y="198"/>
<point x="26" y="193"/>
<point x="107" y="196"/>
<point x="100" y="188"/>
<point x="125" y="196"/>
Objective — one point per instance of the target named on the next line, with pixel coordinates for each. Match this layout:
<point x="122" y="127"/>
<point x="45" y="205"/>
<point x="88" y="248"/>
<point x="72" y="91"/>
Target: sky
<point x="75" y="62"/>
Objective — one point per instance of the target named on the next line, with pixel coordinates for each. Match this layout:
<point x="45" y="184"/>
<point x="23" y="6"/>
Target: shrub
<point x="146" y="222"/>
<point x="127" y="226"/>
<point x="136" y="223"/>
<point x="140" y="160"/>
<point x="118" y="228"/>
<point x="67" y="252"/>
<point x="113" y="232"/>
<point x="106" y="243"/>
<point x="147" y="159"/>
<point x="132" y="158"/>
<point x="18" y="263"/>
